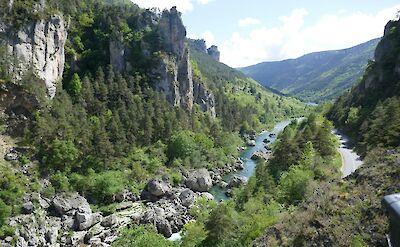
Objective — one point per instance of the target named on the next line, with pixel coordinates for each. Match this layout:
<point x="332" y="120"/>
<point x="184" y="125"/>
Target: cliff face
<point x="214" y="52"/>
<point x="38" y="47"/>
<point x="175" y="70"/>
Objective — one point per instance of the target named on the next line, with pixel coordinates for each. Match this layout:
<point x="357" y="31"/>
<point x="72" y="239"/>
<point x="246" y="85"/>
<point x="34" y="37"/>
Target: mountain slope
<point x="370" y="111"/>
<point x="317" y="76"/>
<point x="349" y="212"/>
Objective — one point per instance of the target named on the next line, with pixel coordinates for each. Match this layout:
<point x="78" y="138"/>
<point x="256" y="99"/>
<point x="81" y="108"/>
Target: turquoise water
<point x="249" y="164"/>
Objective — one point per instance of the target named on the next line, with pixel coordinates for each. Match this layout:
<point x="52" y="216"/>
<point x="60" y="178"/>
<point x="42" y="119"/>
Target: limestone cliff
<point x="39" y="47"/>
<point x="214" y="52"/>
<point x="175" y="70"/>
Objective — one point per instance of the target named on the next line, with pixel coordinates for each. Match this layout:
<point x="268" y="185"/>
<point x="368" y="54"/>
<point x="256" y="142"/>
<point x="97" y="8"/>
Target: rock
<point x="199" y="180"/>
<point x="251" y="143"/>
<point x="65" y="203"/>
<point x="76" y="238"/>
<point x="125" y="196"/>
<point x="200" y="45"/>
<point x="164" y="227"/>
<point x="237" y="181"/>
<point x="28" y="208"/>
<point x="223" y="184"/>
<point x="174" y="74"/>
<point x="52" y="235"/>
<point x="8" y="239"/>
<point x="259" y="155"/>
<point x="207" y="196"/>
<point x="157" y="188"/>
<point x="214" y="52"/>
<point x="38" y="45"/>
<point x="124" y="205"/>
<point x="11" y="156"/>
<point x="187" y="198"/>
<point x="109" y="221"/>
<point x="172" y="31"/>
<point x="84" y="220"/>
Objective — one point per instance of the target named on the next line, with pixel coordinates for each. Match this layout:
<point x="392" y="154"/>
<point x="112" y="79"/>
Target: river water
<point x="249" y="164"/>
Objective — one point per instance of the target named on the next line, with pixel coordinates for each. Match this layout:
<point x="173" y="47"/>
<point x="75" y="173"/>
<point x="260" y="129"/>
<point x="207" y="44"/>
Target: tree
<point x="220" y="225"/>
<point x="74" y="87"/>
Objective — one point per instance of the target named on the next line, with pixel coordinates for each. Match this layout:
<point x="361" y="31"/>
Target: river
<point x="249" y="164"/>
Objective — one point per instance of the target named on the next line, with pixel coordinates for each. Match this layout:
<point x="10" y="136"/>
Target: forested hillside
<point x="349" y="212"/>
<point x="304" y="157"/>
<point x="315" y="77"/>
<point x="111" y="102"/>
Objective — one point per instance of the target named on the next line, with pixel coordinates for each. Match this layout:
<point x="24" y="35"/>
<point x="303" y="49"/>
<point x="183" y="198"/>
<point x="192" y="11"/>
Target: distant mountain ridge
<point x="318" y="76"/>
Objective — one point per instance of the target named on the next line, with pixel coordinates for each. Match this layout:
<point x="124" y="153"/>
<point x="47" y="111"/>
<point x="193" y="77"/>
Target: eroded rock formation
<point x="37" y="47"/>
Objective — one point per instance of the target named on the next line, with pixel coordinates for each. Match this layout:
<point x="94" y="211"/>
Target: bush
<point x="5" y="212"/>
<point x="142" y="236"/>
<point x="60" y="182"/>
<point x="99" y="187"/>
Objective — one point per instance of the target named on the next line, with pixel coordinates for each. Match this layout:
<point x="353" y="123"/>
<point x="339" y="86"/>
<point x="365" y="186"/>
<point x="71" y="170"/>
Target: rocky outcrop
<point x="204" y="97"/>
<point x="173" y="32"/>
<point x="199" y="180"/>
<point x="175" y="73"/>
<point x="37" y="47"/>
<point x="67" y="220"/>
<point x="237" y="181"/>
<point x="199" y="45"/>
<point x="214" y="52"/>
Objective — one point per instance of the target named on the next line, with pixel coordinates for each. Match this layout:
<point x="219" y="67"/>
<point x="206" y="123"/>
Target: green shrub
<point x="60" y="182"/>
<point x="142" y="236"/>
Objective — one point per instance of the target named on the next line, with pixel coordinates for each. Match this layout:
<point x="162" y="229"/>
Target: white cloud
<point x="248" y="22"/>
<point x="209" y="37"/>
<point x="292" y="38"/>
<point x="204" y="1"/>
<point x="183" y="6"/>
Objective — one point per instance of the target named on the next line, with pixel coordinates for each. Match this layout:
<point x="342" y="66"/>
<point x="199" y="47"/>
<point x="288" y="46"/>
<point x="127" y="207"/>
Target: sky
<point x="254" y="31"/>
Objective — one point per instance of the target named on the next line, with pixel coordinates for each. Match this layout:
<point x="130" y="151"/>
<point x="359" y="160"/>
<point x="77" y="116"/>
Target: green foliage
<point x="74" y="87"/>
<point x="99" y="187"/>
<point x="60" y="182"/>
<point x="6" y="231"/>
<point x="12" y="189"/>
<point x="293" y="184"/>
<point x="60" y="153"/>
<point x="5" y="212"/>
<point x="141" y="236"/>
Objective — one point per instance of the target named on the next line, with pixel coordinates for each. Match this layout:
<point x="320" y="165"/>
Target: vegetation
<point x="279" y="186"/>
<point x="142" y="236"/>
<point x="315" y="77"/>
<point x="369" y="113"/>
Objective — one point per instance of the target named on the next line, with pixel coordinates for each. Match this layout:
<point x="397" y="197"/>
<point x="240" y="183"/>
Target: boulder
<point x="75" y="239"/>
<point x="223" y="184"/>
<point x="259" y="155"/>
<point x="237" y="181"/>
<point x="207" y="195"/>
<point x="109" y="221"/>
<point x="251" y="143"/>
<point x="157" y="188"/>
<point x="28" y="208"/>
<point x="266" y="141"/>
<point x="11" y="155"/>
<point x="64" y="203"/>
<point x="199" y="180"/>
<point x="164" y="227"/>
<point x="84" y="220"/>
<point x="187" y="197"/>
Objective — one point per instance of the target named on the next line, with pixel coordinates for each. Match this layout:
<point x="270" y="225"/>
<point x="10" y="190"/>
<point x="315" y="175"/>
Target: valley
<point x="119" y="129"/>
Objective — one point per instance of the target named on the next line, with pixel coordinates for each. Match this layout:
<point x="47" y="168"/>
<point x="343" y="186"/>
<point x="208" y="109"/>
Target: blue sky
<point x="252" y="31"/>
